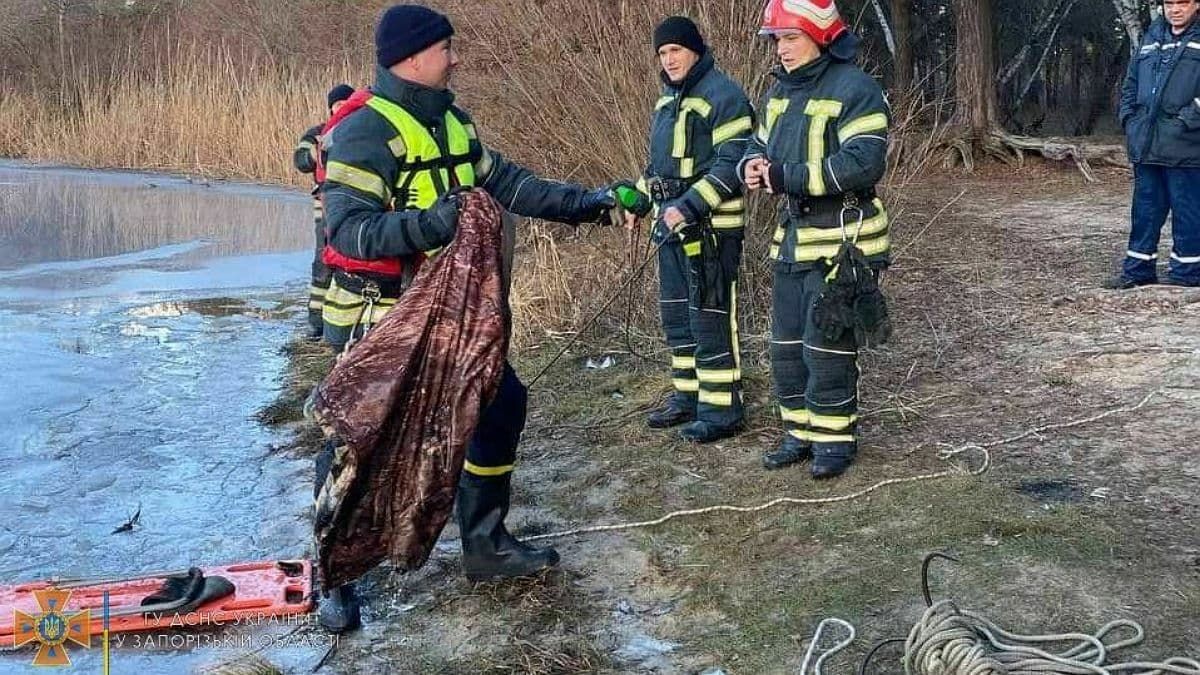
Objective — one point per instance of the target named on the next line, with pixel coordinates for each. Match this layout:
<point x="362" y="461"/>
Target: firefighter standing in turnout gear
<point x="698" y="133"/>
<point x="389" y="199"/>
<point x="304" y="157"/>
<point x="1160" y="113"/>
<point x="821" y="146"/>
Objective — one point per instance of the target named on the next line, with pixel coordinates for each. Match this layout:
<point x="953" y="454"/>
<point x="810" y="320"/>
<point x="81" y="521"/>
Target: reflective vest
<point x="424" y="172"/>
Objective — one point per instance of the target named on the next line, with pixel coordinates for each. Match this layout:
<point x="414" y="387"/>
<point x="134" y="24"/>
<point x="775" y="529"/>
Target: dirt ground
<point x="1000" y="327"/>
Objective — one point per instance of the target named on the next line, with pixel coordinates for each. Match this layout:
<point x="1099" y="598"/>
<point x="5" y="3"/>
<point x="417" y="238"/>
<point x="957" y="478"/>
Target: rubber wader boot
<point x="791" y="450"/>
<point x="677" y="410"/>
<point x="338" y="610"/>
<point x="489" y="551"/>
<point x="707" y="432"/>
<point x="832" y="459"/>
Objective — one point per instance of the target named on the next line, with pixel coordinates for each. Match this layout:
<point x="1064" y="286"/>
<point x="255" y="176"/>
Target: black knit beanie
<point x="405" y="30"/>
<point x="679" y="30"/>
<point x="339" y="93"/>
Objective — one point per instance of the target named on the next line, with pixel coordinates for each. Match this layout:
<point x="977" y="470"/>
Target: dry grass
<point x="562" y="86"/>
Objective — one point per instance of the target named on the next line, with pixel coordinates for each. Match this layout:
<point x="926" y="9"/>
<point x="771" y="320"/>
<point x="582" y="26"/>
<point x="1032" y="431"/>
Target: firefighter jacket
<point x="825" y="124"/>
<point x="698" y="134"/>
<point x="1160" y="101"/>
<point x="409" y="144"/>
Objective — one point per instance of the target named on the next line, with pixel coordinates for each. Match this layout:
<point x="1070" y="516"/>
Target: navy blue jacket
<point x="1160" y="101"/>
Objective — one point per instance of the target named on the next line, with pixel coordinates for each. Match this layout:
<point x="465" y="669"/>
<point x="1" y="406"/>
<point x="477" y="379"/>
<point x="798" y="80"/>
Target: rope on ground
<point x="816" y="639"/>
<point x="948" y="640"/>
<point x="948" y="452"/>
<point x="728" y="508"/>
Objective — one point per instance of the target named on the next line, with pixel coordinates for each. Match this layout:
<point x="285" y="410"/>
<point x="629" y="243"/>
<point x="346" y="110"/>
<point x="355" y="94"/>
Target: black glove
<point x="595" y="204"/>
<point x="439" y="222"/>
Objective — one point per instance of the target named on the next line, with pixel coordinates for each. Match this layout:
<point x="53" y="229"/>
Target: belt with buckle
<point x="666" y="189"/>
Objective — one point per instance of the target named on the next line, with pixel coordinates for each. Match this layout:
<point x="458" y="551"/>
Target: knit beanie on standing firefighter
<point x="679" y="30"/>
<point x="405" y="30"/>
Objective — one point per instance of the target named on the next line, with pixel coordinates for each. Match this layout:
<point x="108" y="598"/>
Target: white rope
<point x="950" y="641"/>
<point x="946" y="453"/>
<point x="816" y="639"/>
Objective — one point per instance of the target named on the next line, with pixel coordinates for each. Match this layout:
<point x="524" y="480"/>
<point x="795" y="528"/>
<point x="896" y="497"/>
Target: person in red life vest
<point x="394" y="162"/>
<point x="306" y="158"/>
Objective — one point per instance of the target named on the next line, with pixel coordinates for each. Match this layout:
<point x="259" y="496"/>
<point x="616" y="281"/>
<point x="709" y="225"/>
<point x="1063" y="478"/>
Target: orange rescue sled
<point x="262" y="590"/>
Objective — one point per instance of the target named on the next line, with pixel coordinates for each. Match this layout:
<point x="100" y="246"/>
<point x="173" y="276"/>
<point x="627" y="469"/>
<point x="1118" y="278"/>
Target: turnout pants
<point x="816" y="381"/>
<point x="698" y="304"/>
<point x="1157" y="191"/>
<point x="492" y="451"/>
<point x="321" y="274"/>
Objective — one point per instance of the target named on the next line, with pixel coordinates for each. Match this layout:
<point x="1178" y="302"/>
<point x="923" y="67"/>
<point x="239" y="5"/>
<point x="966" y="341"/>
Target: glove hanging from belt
<point x="851" y="299"/>
<point x="704" y="262"/>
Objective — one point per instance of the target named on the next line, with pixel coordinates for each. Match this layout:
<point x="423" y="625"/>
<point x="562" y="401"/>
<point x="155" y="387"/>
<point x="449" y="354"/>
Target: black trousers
<point x="816" y="381"/>
<point x="698" y="304"/>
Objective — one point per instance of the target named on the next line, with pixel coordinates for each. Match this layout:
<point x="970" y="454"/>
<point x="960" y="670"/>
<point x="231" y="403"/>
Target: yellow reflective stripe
<point x="774" y="251"/>
<point x="721" y="398"/>
<point x="396" y="145"/>
<point x="708" y="192"/>
<point x="687" y="167"/>
<point x="761" y="134"/>
<point x="472" y="468"/>
<point x="727" y="376"/>
<point x="696" y="104"/>
<point x="663" y="101"/>
<point x="642" y="186"/>
<point x="817" y="437"/>
<point x="797" y="416"/>
<point x="862" y="125"/>
<point x="821" y="111"/>
<point x="732" y="206"/>
<point x="691" y="249"/>
<point x="816" y="235"/>
<point x="832" y="422"/>
<point x="683" y="362"/>
<point x="816" y="173"/>
<point x="775" y="108"/>
<point x="780" y="233"/>
<point x="484" y="166"/>
<point x="727" y="221"/>
<point x="731" y="129"/>
<point x="306" y="144"/>
<point x="871" y="247"/>
<point x="359" y="179"/>
<point x="679" y="138"/>
<point x="823" y="107"/>
<point x="471" y="133"/>
<point x="683" y="384"/>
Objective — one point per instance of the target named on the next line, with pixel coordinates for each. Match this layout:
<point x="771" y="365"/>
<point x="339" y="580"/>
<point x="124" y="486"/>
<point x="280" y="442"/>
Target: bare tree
<point x="975" y="71"/>
<point x="902" y="28"/>
<point x="1127" y="11"/>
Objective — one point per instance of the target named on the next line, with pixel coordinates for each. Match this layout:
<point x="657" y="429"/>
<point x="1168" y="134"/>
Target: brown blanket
<point x="404" y="401"/>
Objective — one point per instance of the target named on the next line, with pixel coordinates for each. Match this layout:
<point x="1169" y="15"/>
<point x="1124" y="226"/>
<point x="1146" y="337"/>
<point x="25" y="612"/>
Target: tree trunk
<point x="902" y="28"/>
<point x="975" y="70"/>
<point x="1127" y="10"/>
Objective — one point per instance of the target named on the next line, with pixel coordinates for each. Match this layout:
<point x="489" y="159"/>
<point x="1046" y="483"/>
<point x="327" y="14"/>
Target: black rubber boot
<point x="338" y="609"/>
<point x="791" y="450"/>
<point x="1120" y="282"/>
<point x="677" y="410"/>
<point x="707" y="432"/>
<point x="489" y="551"/>
<point x="832" y="459"/>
